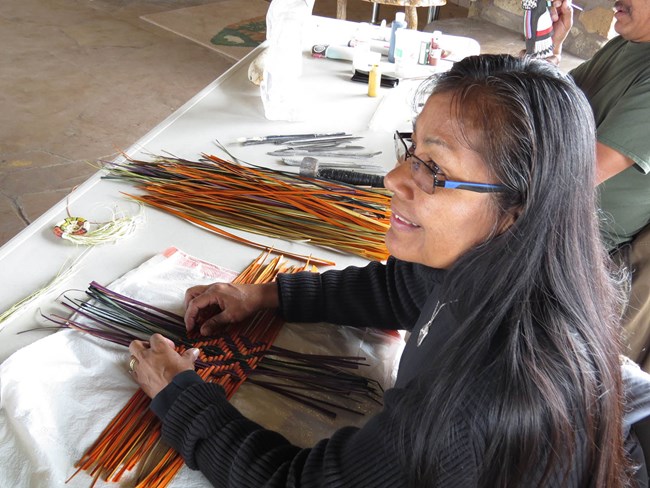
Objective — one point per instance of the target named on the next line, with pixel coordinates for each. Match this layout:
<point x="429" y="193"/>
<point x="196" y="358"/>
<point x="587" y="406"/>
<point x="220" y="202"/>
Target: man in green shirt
<point x="617" y="83"/>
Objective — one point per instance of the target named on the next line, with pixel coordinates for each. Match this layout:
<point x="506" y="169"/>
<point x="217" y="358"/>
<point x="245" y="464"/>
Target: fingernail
<point x="195" y="352"/>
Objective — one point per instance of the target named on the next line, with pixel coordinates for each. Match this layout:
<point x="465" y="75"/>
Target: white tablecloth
<point x="58" y="394"/>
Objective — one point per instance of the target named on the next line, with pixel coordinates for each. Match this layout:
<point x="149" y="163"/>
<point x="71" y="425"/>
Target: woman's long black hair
<point x="536" y="304"/>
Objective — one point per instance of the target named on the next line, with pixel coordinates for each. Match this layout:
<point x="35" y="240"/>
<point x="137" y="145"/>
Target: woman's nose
<point x="398" y="180"/>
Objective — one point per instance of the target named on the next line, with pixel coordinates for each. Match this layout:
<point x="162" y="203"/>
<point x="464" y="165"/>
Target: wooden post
<point x="341" y="9"/>
<point x="412" y="17"/>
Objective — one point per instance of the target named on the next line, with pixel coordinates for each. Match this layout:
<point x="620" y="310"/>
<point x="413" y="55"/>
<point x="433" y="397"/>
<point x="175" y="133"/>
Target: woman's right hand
<point x="209" y="306"/>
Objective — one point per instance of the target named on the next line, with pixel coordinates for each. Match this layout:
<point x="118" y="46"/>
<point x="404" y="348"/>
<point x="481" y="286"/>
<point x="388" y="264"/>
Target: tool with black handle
<point x="309" y="167"/>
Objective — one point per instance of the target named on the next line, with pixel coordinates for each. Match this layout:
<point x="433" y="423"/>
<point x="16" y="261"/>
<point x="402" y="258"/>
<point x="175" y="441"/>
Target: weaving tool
<point x="310" y="167"/>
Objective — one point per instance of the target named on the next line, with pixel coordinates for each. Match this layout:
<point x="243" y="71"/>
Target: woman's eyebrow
<point x="432" y="140"/>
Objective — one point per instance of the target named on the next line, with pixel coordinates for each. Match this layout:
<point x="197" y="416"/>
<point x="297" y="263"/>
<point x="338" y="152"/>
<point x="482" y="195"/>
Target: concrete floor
<point x="82" y="79"/>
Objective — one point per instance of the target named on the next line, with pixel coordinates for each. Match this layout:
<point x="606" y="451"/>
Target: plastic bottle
<point x="280" y="88"/>
<point x="374" y="81"/>
<point x="398" y="23"/>
<point x="435" y="51"/>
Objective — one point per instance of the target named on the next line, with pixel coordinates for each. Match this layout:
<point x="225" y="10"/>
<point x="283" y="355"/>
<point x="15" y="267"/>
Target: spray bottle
<point x="398" y="23"/>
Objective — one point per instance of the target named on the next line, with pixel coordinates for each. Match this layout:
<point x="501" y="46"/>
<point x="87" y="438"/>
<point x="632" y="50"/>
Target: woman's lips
<point x="399" y="220"/>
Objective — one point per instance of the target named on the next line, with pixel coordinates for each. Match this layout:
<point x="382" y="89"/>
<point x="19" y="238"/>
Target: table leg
<point x="341" y="9"/>
<point x="412" y="17"/>
<point x="375" y="13"/>
<point x="434" y="12"/>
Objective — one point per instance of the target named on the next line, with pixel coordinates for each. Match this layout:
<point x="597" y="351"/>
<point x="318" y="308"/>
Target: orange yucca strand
<point x="260" y="200"/>
<point x="132" y="436"/>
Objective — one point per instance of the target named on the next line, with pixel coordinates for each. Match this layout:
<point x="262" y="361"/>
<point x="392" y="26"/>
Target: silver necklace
<point x="425" y="328"/>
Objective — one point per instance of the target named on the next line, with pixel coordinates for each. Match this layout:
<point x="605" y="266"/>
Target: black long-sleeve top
<point x="230" y="450"/>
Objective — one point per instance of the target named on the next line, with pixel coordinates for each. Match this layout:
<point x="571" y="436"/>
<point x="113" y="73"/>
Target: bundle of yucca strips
<point x="214" y="192"/>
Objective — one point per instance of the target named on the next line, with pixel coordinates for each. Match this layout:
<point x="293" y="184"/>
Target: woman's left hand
<point x="155" y="363"/>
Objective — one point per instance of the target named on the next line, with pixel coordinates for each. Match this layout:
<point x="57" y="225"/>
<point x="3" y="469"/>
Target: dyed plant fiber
<point x="279" y="204"/>
<point x="239" y="352"/>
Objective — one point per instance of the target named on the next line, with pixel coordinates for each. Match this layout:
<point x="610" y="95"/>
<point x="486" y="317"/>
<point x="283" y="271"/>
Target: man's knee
<point x="636" y="320"/>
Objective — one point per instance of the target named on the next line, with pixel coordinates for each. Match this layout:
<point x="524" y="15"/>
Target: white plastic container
<point x="407" y="51"/>
<point x="280" y="88"/>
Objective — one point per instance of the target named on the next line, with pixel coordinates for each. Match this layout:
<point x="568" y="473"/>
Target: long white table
<point x="227" y="109"/>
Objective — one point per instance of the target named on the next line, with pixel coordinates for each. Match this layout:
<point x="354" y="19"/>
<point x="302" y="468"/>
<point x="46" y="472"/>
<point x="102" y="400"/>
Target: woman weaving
<point x="511" y="374"/>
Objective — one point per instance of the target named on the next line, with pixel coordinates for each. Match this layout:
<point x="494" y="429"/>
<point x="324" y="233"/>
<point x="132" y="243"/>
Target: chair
<point x="636" y="418"/>
<point x="642" y="431"/>
<point x="410" y="6"/>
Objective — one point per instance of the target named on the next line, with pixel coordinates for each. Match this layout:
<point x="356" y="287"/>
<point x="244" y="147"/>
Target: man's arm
<point x="562" y="16"/>
<point x="609" y="162"/>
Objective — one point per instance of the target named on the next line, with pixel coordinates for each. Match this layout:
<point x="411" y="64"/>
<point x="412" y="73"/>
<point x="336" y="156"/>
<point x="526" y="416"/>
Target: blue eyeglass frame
<point x="435" y="170"/>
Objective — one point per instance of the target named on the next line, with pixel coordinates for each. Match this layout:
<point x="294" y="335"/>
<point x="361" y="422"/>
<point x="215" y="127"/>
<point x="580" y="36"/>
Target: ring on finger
<point x="132" y="364"/>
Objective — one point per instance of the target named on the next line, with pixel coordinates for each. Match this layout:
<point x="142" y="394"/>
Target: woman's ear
<point x="507" y="221"/>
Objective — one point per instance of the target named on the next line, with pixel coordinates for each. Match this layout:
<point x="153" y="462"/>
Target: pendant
<point x="424" y="331"/>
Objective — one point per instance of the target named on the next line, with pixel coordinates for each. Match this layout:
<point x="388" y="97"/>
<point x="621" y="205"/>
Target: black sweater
<point x="233" y="451"/>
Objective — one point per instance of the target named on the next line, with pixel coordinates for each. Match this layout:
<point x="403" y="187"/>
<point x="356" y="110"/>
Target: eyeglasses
<point x="427" y="176"/>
